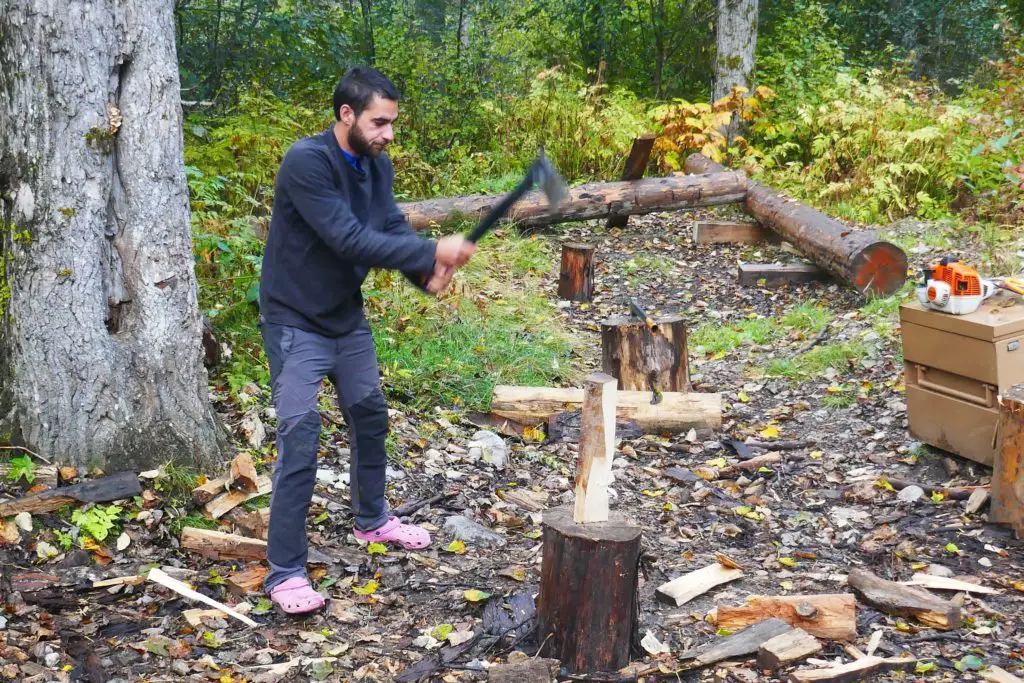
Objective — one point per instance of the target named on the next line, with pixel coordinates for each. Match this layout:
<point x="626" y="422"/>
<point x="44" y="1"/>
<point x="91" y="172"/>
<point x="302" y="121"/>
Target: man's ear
<point x="346" y="115"/>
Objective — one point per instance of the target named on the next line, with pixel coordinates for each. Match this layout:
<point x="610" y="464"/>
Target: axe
<point x="543" y="174"/>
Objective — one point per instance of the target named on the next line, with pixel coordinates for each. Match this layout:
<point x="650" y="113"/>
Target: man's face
<point x="373" y="130"/>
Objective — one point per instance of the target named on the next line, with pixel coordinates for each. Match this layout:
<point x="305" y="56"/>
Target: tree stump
<point x="643" y="358"/>
<point x="1008" y="467"/>
<point x="576" y="277"/>
<point x="587" y="602"/>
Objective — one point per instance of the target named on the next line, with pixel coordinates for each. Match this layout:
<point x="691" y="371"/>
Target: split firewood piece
<point x="597" y="448"/>
<point x="203" y="494"/>
<point x="255" y="524"/>
<point x="681" y="590"/>
<point x="243" y="473"/>
<point x="228" y="501"/>
<point x="196" y="617"/>
<point x="830" y="616"/>
<point x="851" y="672"/>
<point x="904" y="601"/>
<point x="158" y="576"/>
<point x="997" y="675"/>
<point x="787" y="648"/>
<point x="1008" y="467"/>
<point x="527" y="671"/>
<point x="249" y="580"/>
<point x="103" y="490"/>
<point x="530" y="501"/>
<point x="133" y="580"/>
<point x="221" y="546"/>
<point x="942" y="583"/>
<point x="742" y="644"/>
<point x="759" y="461"/>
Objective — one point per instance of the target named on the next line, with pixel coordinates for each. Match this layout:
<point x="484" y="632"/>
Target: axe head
<point x="549" y="181"/>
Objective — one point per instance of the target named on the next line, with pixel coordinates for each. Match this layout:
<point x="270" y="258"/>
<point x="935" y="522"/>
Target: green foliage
<point x="837" y="356"/>
<point x="809" y="316"/>
<point x="97" y="521"/>
<point x="714" y="338"/>
<point x="176" y="482"/>
<point x="22" y="466"/>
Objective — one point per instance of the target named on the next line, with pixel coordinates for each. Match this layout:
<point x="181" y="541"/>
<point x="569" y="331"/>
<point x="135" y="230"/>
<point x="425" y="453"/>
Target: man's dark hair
<point x="357" y="88"/>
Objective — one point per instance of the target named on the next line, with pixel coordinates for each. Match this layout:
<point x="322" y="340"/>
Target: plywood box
<point x="955" y="368"/>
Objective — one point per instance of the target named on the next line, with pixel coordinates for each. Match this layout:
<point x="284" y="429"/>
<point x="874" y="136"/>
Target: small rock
<point x="3" y="622"/>
<point x="24" y="521"/>
<point x="939" y="570"/>
<point x="344" y="452"/>
<point x="911" y="494"/>
<point x="493" y="447"/>
<point x="395" y="475"/>
<point x="181" y="667"/>
<point x="843" y="517"/>
<point x="475" y="453"/>
<point x="983" y="561"/>
<point x="326" y="476"/>
<point x="468" y="531"/>
<point x="252" y="429"/>
<point x="264" y="658"/>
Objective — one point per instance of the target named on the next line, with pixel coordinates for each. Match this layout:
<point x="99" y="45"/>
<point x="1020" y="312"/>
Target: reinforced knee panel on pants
<point x="368" y="420"/>
<point x="370" y="416"/>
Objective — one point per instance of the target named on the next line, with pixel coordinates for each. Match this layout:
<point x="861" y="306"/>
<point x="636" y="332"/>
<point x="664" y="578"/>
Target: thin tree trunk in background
<point x="100" y="331"/>
<point x="366" y="7"/>
<point x="464" y="19"/>
<point x="735" y="44"/>
<point x="430" y="14"/>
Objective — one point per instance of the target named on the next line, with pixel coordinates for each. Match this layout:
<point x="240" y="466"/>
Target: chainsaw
<point x="953" y="287"/>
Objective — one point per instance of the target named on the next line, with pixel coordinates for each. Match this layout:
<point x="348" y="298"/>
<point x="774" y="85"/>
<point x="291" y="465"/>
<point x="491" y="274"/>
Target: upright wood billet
<point x="856" y="257"/>
<point x="593" y="200"/>
<point x="597" y="448"/>
<point x="1007" y="505"/>
<point x="576" y="275"/>
<point x="636" y="164"/>
<point x="587" y="603"/>
<point x="641" y="357"/>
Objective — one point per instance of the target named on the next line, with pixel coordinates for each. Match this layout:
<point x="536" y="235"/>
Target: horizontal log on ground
<point x="731" y="233"/>
<point x="677" y="412"/>
<point x="593" y="200"/>
<point x="778" y="274"/>
<point x="856" y="257"/>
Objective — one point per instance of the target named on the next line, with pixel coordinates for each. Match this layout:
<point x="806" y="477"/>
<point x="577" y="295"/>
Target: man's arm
<point x="307" y="180"/>
<point x="397" y="225"/>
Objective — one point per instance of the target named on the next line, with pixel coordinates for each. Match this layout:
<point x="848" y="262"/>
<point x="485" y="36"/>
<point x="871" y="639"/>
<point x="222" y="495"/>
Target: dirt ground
<point x="825" y="506"/>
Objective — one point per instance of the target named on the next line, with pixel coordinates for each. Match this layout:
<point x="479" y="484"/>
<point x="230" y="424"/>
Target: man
<point x="334" y="218"/>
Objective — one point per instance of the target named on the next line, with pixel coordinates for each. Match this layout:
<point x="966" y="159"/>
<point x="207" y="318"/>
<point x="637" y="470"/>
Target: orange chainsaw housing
<point x="963" y="280"/>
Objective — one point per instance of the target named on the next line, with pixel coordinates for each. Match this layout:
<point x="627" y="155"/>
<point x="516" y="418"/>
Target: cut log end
<point x="880" y="268"/>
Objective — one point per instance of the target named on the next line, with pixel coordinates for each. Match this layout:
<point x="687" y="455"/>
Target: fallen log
<point x="731" y="233"/>
<point x="228" y="501"/>
<point x="831" y="616"/>
<point x="677" y="412"/>
<point x="527" y="671"/>
<point x="857" y="257"/>
<point x="221" y="546"/>
<point x="593" y="200"/>
<point x="103" y="490"/>
<point x="42" y="474"/>
<point x="904" y="601"/>
<point x="859" y="670"/>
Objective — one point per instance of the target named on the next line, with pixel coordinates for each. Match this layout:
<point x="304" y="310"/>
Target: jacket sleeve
<point x="307" y="177"/>
<point x="397" y="225"/>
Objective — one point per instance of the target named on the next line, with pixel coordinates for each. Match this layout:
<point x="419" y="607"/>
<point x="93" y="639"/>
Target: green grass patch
<point x="809" y="316"/>
<point x="647" y="263"/>
<point x="176" y="482"/>
<point x="257" y="503"/>
<point x="193" y="520"/>
<point x="817" y="360"/>
<point x="716" y="338"/>
<point x="493" y="328"/>
<point x="843" y="400"/>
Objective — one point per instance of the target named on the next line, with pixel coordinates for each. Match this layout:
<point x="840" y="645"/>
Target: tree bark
<point x="594" y="200"/>
<point x="587" y="603"/>
<point x="576" y="275"/>
<point x="857" y="257"/>
<point x="735" y="45"/>
<point x="644" y="359"/>
<point x="636" y="164"/>
<point x="1008" y="467"/>
<point x="101" y="360"/>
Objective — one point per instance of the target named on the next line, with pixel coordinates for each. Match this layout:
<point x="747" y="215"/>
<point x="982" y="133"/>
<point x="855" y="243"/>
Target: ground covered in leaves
<point x="811" y="380"/>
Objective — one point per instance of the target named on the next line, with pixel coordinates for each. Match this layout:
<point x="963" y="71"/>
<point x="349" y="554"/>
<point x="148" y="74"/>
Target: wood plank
<point x="158" y="576"/>
<point x="830" y="616"/>
<point x="742" y="644"/>
<point x="221" y="546"/>
<point x="103" y="490"/>
<point x="858" y="670"/>
<point x="681" y="590"/>
<point x="904" y="601"/>
<point x="707" y="232"/>
<point x="226" y="502"/>
<point x="597" y="448"/>
<point x="787" y="648"/>
<point x="243" y="473"/>
<point x="636" y="164"/>
<point x="942" y="583"/>
<point x="778" y="274"/>
<point x="677" y="412"/>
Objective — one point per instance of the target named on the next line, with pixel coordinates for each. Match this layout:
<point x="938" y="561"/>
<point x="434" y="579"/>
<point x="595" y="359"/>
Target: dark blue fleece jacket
<point x="330" y="224"/>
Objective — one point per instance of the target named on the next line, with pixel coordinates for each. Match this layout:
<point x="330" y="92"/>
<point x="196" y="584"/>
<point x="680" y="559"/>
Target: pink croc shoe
<point x="408" y="536"/>
<point x="296" y="596"/>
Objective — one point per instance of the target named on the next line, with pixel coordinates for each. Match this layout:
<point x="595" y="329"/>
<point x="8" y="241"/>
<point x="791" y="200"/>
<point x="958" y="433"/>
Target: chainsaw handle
<point x="501" y="208"/>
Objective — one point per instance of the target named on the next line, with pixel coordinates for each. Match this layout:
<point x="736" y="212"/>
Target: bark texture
<point x="100" y="341"/>
<point x="735" y="44"/>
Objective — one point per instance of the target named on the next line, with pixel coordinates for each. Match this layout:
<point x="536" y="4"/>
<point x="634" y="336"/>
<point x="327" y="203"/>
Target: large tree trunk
<point x="735" y="44"/>
<point x="100" y="335"/>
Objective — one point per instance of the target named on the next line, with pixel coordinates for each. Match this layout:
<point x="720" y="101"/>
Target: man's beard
<point x="360" y="145"/>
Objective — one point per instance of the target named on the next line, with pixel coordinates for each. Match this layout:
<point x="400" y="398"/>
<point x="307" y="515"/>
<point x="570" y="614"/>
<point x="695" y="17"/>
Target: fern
<point x="97" y="521"/>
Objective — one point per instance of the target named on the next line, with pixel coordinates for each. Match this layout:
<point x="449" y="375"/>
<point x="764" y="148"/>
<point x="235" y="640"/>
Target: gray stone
<point x="468" y="531"/>
<point x="493" y="448"/>
<point x="911" y="494"/>
<point x="939" y="570"/>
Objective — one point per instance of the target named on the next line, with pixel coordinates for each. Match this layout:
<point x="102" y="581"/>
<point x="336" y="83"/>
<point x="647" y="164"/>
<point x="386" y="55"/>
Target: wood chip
<point x="858" y="670"/>
<point x="681" y="590"/>
<point x="787" y="648"/>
